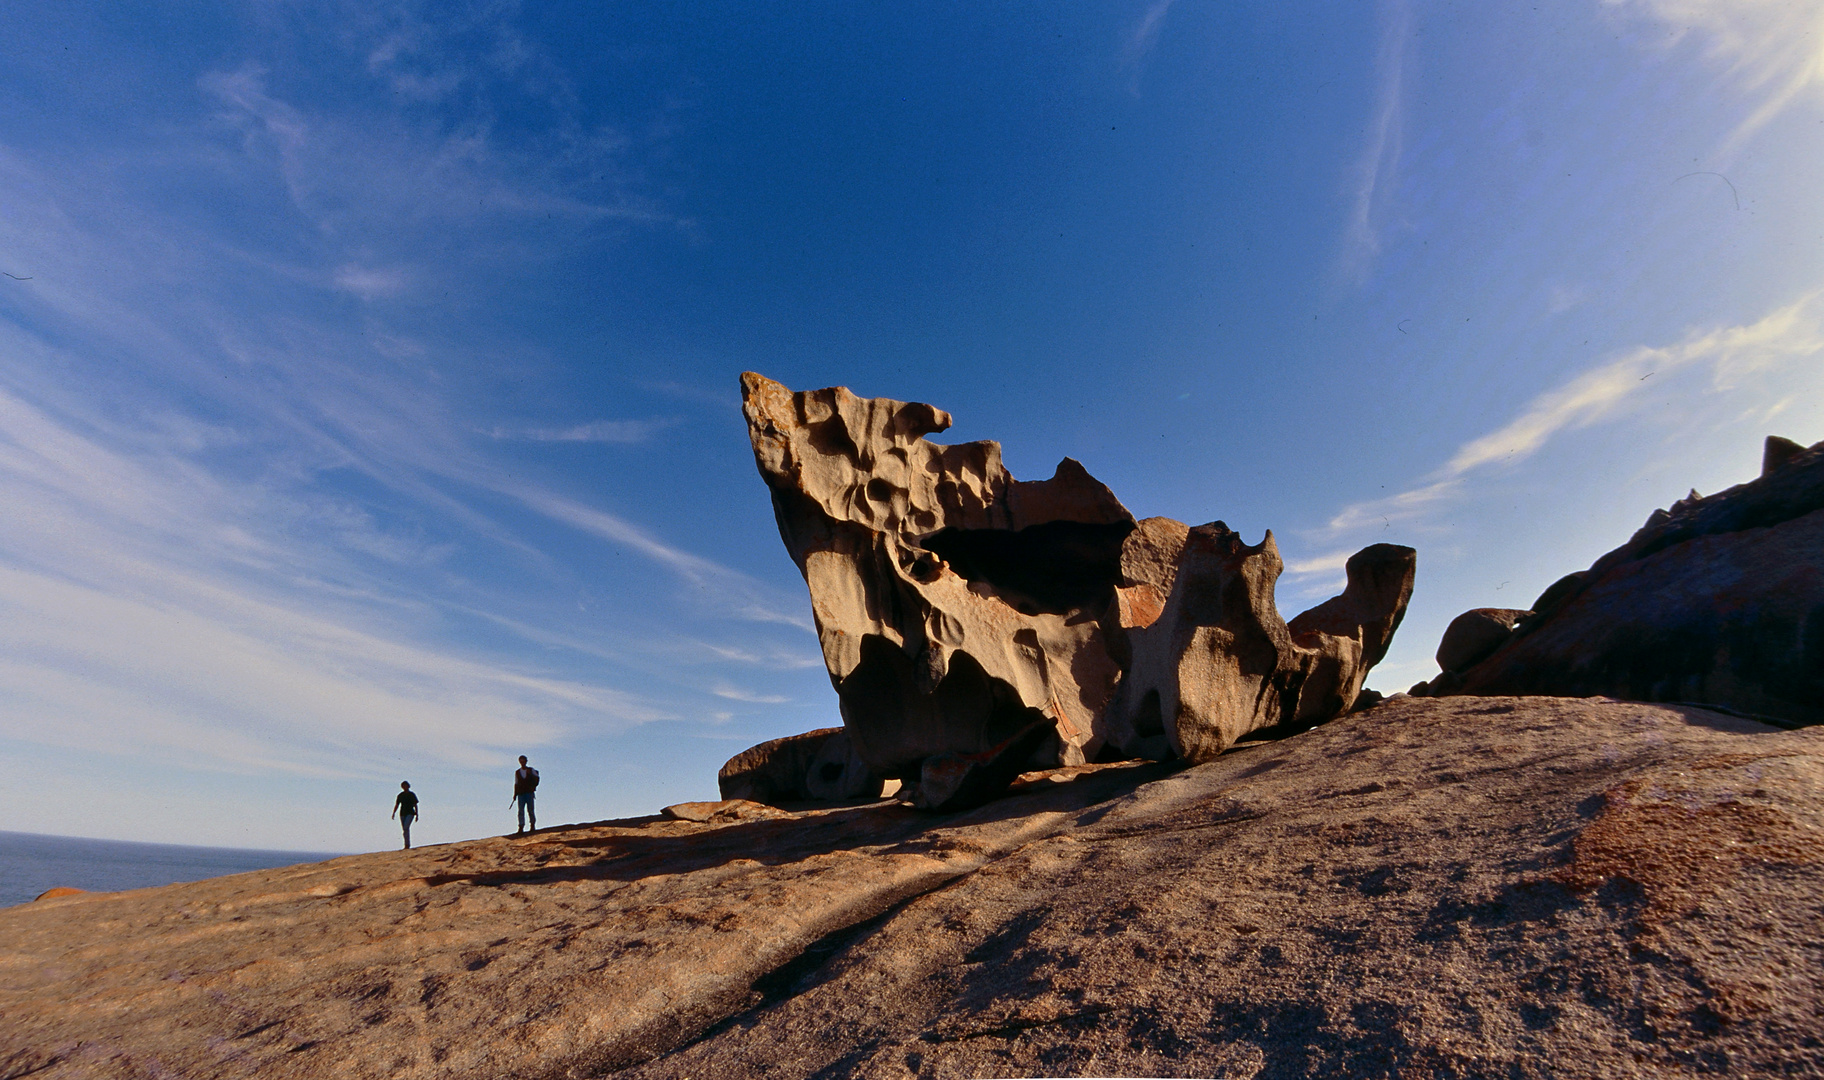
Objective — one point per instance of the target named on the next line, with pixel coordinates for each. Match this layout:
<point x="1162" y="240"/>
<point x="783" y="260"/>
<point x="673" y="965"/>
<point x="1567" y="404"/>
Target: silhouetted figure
<point x="525" y="783"/>
<point x="405" y="808"/>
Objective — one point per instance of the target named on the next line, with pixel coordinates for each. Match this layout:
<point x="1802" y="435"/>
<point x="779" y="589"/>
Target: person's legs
<point x="405" y="823"/>
<point x="532" y="808"/>
<point x="524" y="803"/>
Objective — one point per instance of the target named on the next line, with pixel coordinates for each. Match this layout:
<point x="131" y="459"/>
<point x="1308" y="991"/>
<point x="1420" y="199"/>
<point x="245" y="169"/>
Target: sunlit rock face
<point x="956" y="605"/>
<point x="1218" y="662"/>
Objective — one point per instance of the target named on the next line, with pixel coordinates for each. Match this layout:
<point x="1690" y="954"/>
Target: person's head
<point x="522" y="759"/>
<point x="405" y="785"/>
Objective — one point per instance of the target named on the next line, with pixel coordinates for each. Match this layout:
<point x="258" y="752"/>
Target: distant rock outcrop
<point x="1718" y="600"/>
<point x="958" y="607"/>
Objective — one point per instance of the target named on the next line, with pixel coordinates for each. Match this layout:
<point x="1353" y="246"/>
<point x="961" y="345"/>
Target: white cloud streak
<point x="1376" y="169"/>
<point x="1784" y="337"/>
<point x="201" y="450"/>
<point x="131" y="619"/>
<point x="370" y="283"/>
<point x="740" y="595"/>
<point x="1140" y="42"/>
<point x="781" y="659"/>
<point x="735" y="693"/>
<point x="391" y="189"/>
<point x="600" y="431"/>
<point x="1772" y="50"/>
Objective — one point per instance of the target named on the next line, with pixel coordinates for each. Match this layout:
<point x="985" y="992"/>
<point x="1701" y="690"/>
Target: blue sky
<point x="368" y="372"/>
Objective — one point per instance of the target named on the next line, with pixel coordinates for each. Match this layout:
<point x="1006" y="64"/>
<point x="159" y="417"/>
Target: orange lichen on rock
<point x="1683" y="845"/>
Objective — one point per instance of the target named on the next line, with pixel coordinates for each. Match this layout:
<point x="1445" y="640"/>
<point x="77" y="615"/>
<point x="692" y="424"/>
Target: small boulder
<point x="818" y="765"/>
<point x="61" y="890"/>
<point x="724" y="812"/>
<point x="1474" y="635"/>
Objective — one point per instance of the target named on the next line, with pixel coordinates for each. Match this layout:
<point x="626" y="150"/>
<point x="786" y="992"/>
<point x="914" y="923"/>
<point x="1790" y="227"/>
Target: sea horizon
<point x="31" y="863"/>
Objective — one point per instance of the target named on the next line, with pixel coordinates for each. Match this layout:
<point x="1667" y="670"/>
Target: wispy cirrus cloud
<point x="1771" y="50"/>
<point x="1376" y="169"/>
<point x="372" y="283"/>
<point x="1141" y="40"/>
<point x="384" y="180"/>
<point x="739" y="595"/>
<point x="750" y="697"/>
<point x="1331" y="563"/>
<point x="782" y="659"/>
<point x="141" y="588"/>
<point x="252" y="526"/>
<point x="1790" y="333"/>
<point x="599" y="431"/>
<point x="1786" y="337"/>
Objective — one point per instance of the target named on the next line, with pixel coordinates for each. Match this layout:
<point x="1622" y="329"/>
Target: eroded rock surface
<point x="1458" y="887"/>
<point x="1718" y="600"/>
<point x="817" y="765"/>
<point x="1218" y="662"/>
<point x="957" y="606"/>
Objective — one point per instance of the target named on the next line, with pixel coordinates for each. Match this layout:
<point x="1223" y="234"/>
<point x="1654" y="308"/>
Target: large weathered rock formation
<point x="957" y="606"/>
<point x="1718" y="600"/>
<point x="1460" y="887"/>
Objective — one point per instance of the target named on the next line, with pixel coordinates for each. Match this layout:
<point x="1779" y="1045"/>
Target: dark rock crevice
<point x="1055" y="568"/>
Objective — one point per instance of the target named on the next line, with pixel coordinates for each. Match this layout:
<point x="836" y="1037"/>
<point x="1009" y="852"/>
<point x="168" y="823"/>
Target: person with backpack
<point x="525" y="783"/>
<point x="405" y="808"/>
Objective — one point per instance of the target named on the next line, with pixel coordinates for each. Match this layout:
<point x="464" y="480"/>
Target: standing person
<point x="525" y="783"/>
<point x="405" y="808"/>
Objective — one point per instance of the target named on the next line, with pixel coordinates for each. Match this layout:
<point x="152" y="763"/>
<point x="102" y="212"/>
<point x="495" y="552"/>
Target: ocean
<point x="30" y="863"/>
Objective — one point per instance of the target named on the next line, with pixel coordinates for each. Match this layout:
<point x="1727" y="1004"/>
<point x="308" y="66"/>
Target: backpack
<point x="530" y="783"/>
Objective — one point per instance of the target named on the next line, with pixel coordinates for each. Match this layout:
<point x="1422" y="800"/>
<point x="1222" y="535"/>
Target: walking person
<point x="525" y="783"/>
<point x="405" y="808"/>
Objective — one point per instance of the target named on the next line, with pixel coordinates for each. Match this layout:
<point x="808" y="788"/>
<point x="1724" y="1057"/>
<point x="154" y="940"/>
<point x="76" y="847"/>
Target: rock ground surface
<point x="1514" y="887"/>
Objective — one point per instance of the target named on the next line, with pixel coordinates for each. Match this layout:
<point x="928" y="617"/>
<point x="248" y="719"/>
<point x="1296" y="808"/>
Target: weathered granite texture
<point x="817" y="765"/>
<point x="957" y="606"/>
<point x="1218" y="662"/>
<point x="1458" y="887"/>
<point x="1719" y="600"/>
